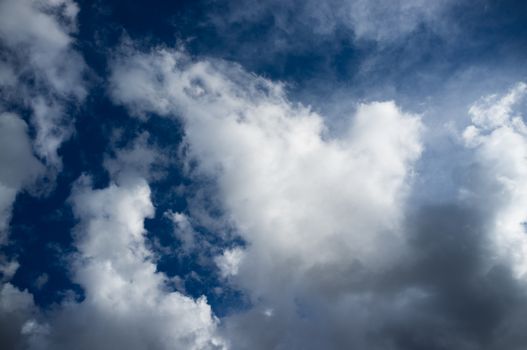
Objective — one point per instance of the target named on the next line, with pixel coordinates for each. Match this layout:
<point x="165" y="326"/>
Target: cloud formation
<point x="41" y="69"/>
<point x="325" y="218"/>
<point x="301" y="200"/>
<point x="254" y="224"/>
<point x="498" y="136"/>
<point x="126" y="302"/>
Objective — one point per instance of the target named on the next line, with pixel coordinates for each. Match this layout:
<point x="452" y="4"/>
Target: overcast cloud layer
<point x="327" y="187"/>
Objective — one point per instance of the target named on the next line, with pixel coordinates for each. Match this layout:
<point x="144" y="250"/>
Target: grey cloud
<point x="139" y="158"/>
<point x="39" y="71"/>
<point x="18" y="166"/>
<point x="444" y="293"/>
<point x="16" y="311"/>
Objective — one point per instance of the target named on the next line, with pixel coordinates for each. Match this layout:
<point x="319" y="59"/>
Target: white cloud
<point x="38" y="42"/>
<point x="40" y="70"/>
<point x="301" y="200"/>
<point x="40" y="30"/>
<point x="327" y="262"/>
<point x="276" y="170"/>
<point x="127" y="303"/>
<point x="229" y="261"/>
<point x="498" y="136"/>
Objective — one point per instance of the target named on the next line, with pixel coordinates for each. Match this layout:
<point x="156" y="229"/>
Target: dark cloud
<point x="470" y="295"/>
<point x="446" y="292"/>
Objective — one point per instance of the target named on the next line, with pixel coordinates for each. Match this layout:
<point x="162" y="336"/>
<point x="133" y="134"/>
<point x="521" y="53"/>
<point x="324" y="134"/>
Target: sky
<point x="227" y="174"/>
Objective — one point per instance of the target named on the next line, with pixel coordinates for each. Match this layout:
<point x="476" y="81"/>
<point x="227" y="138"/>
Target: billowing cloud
<point x="499" y="138"/>
<point x="300" y="199"/>
<point x="39" y="71"/>
<point x="40" y="67"/>
<point x="331" y="248"/>
<point x="127" y="303"/>
<point x="258" y="222"/>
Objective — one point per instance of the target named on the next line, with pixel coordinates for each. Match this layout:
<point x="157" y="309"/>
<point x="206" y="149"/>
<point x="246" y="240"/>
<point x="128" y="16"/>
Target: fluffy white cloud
<point x="303" y="201"/>
<point x="36" y="35"/>
<point x="283" y="180"/>
<point x="39" y="70"/>
<point x="41" y="29"/>
<point x="229" y="261"/>
<point x="498" y="136"/>
<point x="127" y="303"/>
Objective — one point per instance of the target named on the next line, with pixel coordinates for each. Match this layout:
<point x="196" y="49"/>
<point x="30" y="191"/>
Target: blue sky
<point x="263" y="174"/>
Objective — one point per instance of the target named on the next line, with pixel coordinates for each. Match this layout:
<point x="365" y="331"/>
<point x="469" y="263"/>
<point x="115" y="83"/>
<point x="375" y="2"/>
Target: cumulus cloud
<point x="41" y="70"/>
<point x="140" y="158"/>
<point x="126" y="302"/>
<point x="498" y="136"/>
<point x="231" y="116"/>
<point x="331" y="249"/>
<point x="328" y="253"/>
<point x="300" y="199"/>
